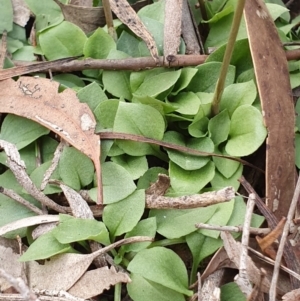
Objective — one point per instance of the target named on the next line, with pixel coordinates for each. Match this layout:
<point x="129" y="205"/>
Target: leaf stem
<point x="227" y="56"/>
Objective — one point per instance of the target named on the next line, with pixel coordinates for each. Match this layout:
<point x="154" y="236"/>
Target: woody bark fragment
<point x="272" y="77"/>
<point x="172" y="28"/>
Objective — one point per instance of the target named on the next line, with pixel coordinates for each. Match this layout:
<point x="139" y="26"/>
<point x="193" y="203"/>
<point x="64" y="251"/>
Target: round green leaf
<point x="44" y="247"/>
<point x="71" y="229"/>
<point x="75" y="168"/>
<point x="162" y="266"/>
<point x="99" y="45"/>
<point x="142" y="120"/>
<point x="190" y="181"/>
<point x="122" y="216"/>
<point x="177" y="223"/>
<point x="218" y="127"/>
<point x="207" y="76"/>
<point x="63" y="40"/>
<point x="117" y="83"/>
<point x="141" y="289"/>
<point x="136" y="166"/>
<point x="117" y="183"/>
<point x="247" y="131"/>
<point x="21" y="131"/>
<point x="187" y="103"/>
<point x="236" y="95"/>
<point x="184" y="160"/>
<point x="156" y="85"/>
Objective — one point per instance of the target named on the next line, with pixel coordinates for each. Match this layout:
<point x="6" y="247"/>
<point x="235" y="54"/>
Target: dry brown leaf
<point x="233" y="249"/>
<point x="94" y="282"/>
<point x="89" y="18"/>
<point x="172" y="27"/>
<point x="292" y="295"/>
<point x="160" y="186"/>
<point x="21" y="12"/>
<point x="9" y="263"/>
<point x="273" y="81"/>
<point x="68" y="268"/>
<point x="128" y="16"/>
<point x="38" y="99"/>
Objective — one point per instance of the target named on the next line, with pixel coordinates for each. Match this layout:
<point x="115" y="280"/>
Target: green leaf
<point x="44" y="247"/>
<point x="219" y="32"/>
<point x="69" y="80"/>
<point x="47" y="13"/>
<point x="140" y="120"/>
<point x="71" y="229"/>
<point x="190" y="181"/>
<point x="99" y="45"/>
<point x="21" y="131"/>
<point x="162" y="266"/>
<point x="201" y="246"/>
<point x="221" y="217"/>
<point x="156" y="85"/>
<point x="187" y="74"/>
<point x="124" y="215"/>
<point x="117" y="82"/>
<point x="231" y="292"/>
<point x="156" y="29"/>
<point x="159" y="105"/>
<point x="219" y="181"/>
<point x="141" y="289"/>
<point x="11" y="210"/>
<point x="207" y="75"/>
<point x="26" y="53"/>
<point x="237" y="95"/>
<point x="177" y="223"/>
<point x="6" y="16"/>
<point x="92" y="94"/>
<point x="226" y="167"/>
<point x="276" y="10"/>
<point x="145" y="227"/>
<point x="218" y="127"/>
<point x="136" y="166"/>
<point x="105" y="113"/>
<point x="184" y="160"/>
<point x="117" y="183"/>
<point x="247" y="131"/>
<point x="187" y="103"/>
<point x="63" y="40"/>
<point x="128" y="44"/>
<point x="38" y="174"/>
<point x="138" y="77"/>
<point x="75" y="168"/>
<point x="155" y="11"/>
<point x="150" y="176"/>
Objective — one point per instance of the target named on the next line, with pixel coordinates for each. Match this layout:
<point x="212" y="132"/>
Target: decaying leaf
<point x="38" y="99"/>
<point x="68" y="268"/>
<point x="94" y="282"/>
<point x="172" y="27"/>
<point x="9" y="263"/>
<point x="292" y="295"/>
<point x="160" y="186"/>
<point x="273" y="81"/>
<point x="233" y="249"/>
<point x="129" y="17"/>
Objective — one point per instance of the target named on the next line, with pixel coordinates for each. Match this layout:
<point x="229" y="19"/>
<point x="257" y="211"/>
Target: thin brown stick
<point x="109" y="19"/>
<point x="283" y="241"/>
<point x="11" y="194"/>
<point x="3" y="48"/>
<point x="71" y="64"/>
<point x="138" y="138"/>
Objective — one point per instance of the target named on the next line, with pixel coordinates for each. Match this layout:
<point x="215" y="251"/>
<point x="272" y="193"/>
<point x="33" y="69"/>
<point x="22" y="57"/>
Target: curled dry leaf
<point x="38" y="99"/>
<point x="94" y="282"/>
